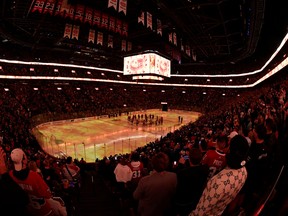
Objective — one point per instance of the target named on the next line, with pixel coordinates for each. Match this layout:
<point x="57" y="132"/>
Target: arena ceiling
<point x="218" y="32"/>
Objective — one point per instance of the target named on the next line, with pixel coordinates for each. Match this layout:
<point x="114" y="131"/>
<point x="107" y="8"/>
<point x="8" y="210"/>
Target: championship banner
<point x="97" y="18"/>
<point x="149" y="20"/>
<point x="75" y="32"/>
<point x="112" y="24"/>
<point x="170" y="37"/>
<point x="64" y="10"/>
<point x="110" y="41"/>
<point x="71" y="12"/>
<point x="58" y="8"/>
<point x="141" y="18"/>
<point x="67" y="31"/>
<point x="91" y="37"/>
<point x="123" y="45"/>
<point x="112" y="3"/>
<point x="174" y="38"/>
<point x="176" y="55"/>
<point x="88" y="15"/>
<point x="182" y="46"/>
<point x="79" y="13"/>
<point x="122" y="6"/>
<point x="38" y="6"/>
<point x="49" y="7"/>
<point x="159" y="27"/>
<point x="125" y="29"/>
<point x="188" y="52"/>
<point x="118" y="26"/>
<point x="104" y="21"/>
<point x="129" y="48"/>
<point x="100" y="38"/>
<point x="194" y="57"/>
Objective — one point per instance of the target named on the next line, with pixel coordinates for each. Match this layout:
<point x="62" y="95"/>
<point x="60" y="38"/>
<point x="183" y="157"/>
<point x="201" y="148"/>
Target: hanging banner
<point x="122" y="6"/>
<point x="123" y="45"/>
<point x="110" y="41"/>
<point x="194" y="57"/>
<point x="112" y="3"/>
<point x="38" y="6"/>
<point x="79" y="13"/>
<point x="125" y="29"/>
<point x="112" y="24"/>
<point x="129" y="48"/>
<point x="159" y="27"/>
<point x="58" y="8"/>
<point x="49" y="7"/>
<point x="100" y="38"/>
<point x="141" y="19"/>
<point x="91" y="37"/>
<point x="149" y="20"/>
<point x="104" y="21"/>
<point x="88" y="15"/>
<point x="71" y="12"/>
<point x="118" y="26"/>
<point x="170" y="37"/>
<point x="97" y="18"/>
<point x="182" y="46"/>
<point x="64" y="10"/>
<point x="188" y="52"/>
<point x="174" y="38"/>
<point x="75" y="32"/>
<point x="67" y="31"/>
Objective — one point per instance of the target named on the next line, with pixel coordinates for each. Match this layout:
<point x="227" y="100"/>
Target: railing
<point x="92" y="151"/>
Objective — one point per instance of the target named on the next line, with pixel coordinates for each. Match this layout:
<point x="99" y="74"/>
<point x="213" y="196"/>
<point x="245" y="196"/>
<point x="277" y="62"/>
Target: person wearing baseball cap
<point x="12" y="198"/>
<point x="32" y="183"/>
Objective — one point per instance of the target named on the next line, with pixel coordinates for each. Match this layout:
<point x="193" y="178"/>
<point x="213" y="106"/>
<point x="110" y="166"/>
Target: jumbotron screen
<point x="147" y="64"/>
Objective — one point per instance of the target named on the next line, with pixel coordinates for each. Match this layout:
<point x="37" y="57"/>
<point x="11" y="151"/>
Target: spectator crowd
<point x="223" y="163"/>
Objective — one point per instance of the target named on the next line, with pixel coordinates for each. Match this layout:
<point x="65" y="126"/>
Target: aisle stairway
<point x="96" y="199"/>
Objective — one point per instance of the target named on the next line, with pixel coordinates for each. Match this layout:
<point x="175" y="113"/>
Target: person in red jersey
<point x="137" y="168"/>
<point x="31" y="182"/>
<point x="215" y="159"/>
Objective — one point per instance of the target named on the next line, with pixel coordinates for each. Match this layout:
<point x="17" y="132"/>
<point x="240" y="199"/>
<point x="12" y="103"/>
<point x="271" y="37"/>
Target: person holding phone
<point x="190" y="182"/>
